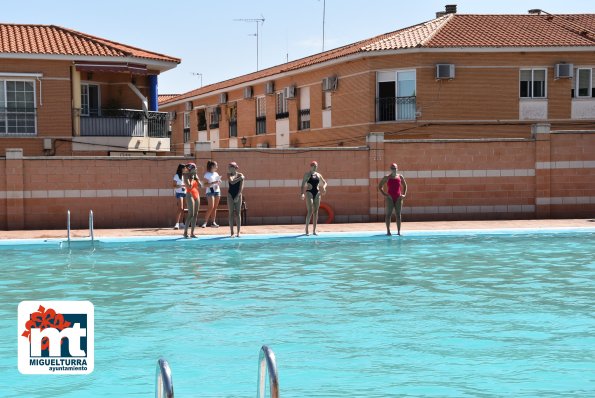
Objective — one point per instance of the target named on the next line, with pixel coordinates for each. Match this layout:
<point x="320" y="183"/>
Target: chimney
<point x="440" y="14"/>
<point x="451" y="9"/>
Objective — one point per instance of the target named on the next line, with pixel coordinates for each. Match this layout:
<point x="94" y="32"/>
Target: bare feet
<point x="238" y="235"/>
<point x="388" y="233"/>
<point x="185" y="235"/>
<point x="314" y="233"/>
<point x="193" y="236"/>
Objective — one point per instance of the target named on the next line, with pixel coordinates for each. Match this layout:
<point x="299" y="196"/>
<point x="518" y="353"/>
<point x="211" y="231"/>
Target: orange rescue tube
<point x="329" y="212"/>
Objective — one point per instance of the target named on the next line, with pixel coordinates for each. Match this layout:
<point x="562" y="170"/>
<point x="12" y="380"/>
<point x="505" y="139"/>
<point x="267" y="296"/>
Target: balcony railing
<point x="126" y="123"/>
<point x="233" y="128"/>
<point x="282" y="115"/>
<point x="18" y="121"/>
<point x="186" y="135"/>
<point x="391" y="108"/>
<point x="261" y="124"/>
<point x="304" y="119"/>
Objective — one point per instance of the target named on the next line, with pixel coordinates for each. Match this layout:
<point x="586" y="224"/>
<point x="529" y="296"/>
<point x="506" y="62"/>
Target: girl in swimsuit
<point x="397" y="189"/>
<point x="192" y="199"/>
<point x="313" y="194"/>
<point x="234" y="196"/>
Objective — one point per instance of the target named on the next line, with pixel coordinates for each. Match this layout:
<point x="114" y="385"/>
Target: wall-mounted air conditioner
<point x="269" y="88"/>
<point x="248" y="92"/>
<point x="223" y="98"/>
<point x="330" y="83"/>
<point x="445" y="71"/>
<point x="289" y="92"/>
<point x="564" y="71"/>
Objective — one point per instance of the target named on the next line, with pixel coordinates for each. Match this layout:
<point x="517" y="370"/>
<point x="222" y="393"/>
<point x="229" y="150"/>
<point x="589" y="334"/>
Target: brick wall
<point x="552" y="175"/>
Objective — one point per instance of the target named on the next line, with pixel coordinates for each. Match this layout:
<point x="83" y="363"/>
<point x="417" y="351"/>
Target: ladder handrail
<point x="267" y="364"/>
<point x="68" y="226"/>
<point x="91" y="225"/>
<point x="164" y="385"/>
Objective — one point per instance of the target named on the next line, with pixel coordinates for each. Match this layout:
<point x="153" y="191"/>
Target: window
<point x="304" y="114"/>
<point x="17" y="107"/>
<point x="215" y="116"/>
<point x="90" y="100"/>
<point x="584" y="83"/>
<point x="281" y="108"/>
<point x="327" y="103"/>
<point x="532" y="83"/>
<point x="232" y="115"/>
<point x="186" y="126"/>
<point x="396" y="95"/>
<point x="261" y="118"/>
<point x="202" y="119"/>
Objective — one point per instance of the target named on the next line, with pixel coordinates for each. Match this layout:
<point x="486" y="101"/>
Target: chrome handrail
<point x="68" y="226"/>
<point x="91" y="225"/>
<point x="164" y="385"/>
<point x="267" y="364"/>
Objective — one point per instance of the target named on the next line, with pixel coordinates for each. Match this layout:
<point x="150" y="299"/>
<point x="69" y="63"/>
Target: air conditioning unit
<point x="564" y="71"/>
<point x="248" y="92"/>
<point x="262" y="145"/>
<point x="269" y="88"/>
<point x="445" y="71"/>
<point x="330" y="83"/>
<point x="223" y="98"/>
<point x="289" y="92"/>
<point x="188" y="105"/>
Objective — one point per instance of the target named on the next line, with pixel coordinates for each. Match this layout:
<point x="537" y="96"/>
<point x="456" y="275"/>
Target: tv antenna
<point x="257" y="21"/>
<point x="200" y="75"/>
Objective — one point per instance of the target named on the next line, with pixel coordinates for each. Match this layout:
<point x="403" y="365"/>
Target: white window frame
<point x="186" y="120"/>
<point x="383" y="76"/>
<point x="4" y="101"/>
<point x="327" y="100"/>
<point x="281" y="99"/>
<point x="576" y="89"/>
<point x="532" y="96"/>
<point x="88" y="113"/>
<point x="262" y="100"/>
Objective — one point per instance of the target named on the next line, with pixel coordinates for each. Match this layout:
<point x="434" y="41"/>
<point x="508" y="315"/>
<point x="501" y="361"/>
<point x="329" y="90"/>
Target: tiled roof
<point x="449" y="31"/>
<point x="165" y="97"/>
<point x="55" y="40"/>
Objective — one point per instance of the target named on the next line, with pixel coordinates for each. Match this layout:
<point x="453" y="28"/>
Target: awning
<point x="114" y="67"/>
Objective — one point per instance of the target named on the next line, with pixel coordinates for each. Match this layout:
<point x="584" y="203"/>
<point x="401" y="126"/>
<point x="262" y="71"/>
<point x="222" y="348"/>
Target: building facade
<point x="64" y="92"/>
<point x="456" y="76"/>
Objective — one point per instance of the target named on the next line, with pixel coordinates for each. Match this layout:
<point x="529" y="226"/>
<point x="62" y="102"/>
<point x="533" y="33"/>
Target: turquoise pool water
<point x="417" y="316"/>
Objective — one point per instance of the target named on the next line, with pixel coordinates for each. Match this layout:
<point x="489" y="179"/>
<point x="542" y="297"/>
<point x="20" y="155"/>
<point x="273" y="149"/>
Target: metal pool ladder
<point x="267" y="364"/>
<point x="164" y="385"/>
<point x="91" y="228"/>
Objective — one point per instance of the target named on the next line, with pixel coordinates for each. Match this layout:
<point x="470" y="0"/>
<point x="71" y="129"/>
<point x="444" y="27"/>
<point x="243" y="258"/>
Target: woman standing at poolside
<point x="234" y="196"/>
<point x="192" y="199"/>
<point x="212" y="181"/>
<point x="397" y="190"/>
<point x="312" y="195"/>
<point x="180" y="192"/>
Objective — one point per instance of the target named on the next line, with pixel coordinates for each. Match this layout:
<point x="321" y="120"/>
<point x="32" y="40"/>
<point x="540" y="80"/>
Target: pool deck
<point x="322" y="228"/>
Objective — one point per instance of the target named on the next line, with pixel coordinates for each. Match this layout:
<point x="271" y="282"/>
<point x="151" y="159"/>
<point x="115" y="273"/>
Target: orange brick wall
<point x="550" y="176"/>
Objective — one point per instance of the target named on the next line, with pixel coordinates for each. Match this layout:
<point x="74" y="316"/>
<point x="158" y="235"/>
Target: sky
<point x="215" y="47"/>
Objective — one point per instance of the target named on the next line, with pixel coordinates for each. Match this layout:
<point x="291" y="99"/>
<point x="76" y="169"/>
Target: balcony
<point x="395" y="108"/>
<point x="18" y="122"/>
<point x="125" y="123"/>
<point x="304" y="123"/>
<point x="233" y="128"/>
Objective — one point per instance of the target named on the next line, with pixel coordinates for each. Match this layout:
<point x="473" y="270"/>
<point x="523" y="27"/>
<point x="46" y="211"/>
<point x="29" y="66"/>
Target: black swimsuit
<point x="313" y="181"/>
<point x="234" y="189"/>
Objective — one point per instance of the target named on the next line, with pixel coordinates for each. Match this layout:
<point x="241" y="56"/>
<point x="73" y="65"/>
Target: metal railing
<point x="18" y="121"/>
<point x="125" y="123"/>
<point x="68" y="227"/>
<point x="186" y="135"/>
<point x="261" y="124"/>
<point x="282" y="115"/>
<point x="267" y="364"/>
<point x="304" y="119"/>
<point x="164" y="385"/>
<point x="395" y="108"/>
<point x="91" y="228"/>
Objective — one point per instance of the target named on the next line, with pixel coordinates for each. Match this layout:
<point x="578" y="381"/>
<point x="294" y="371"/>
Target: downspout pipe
<point x="153" y="94"/>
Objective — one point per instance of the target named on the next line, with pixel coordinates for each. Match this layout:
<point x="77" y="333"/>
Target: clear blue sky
<point x="208" y="40"/>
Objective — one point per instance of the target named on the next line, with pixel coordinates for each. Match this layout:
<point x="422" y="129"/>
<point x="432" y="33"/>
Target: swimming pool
<point x="462" y="315"/>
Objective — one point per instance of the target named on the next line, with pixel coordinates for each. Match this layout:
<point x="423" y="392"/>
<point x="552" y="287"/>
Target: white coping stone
<point x="376" y="174"/>
<point x="150" y="192"/>
<point x="2" y="194"/>
<point x="250" y="183"/>
<point x="583" y="200"/>
<point x="411" y="174"/>
<point x="135" y="192"/>
<point x="334" y="182"/>
<point x="27" y="195"/>
<point x="569" y="201"/>
<point x="542" y="201"/>
<point x="438" y="173"/>
<point x="556" y="201"/>
<point x="528" y="208"/>
<point x="543" y="165"/>
<point x="260" y="183"/>
<point x="39" y="194"/>
<point x="297" y="219"/>
<point x="589" y="164"/>
<point x="562" y="165"/>
<point x="123" y="193"/>
<point x="480" y="173"/>
<point x="276" y="183"/>
<point x="104" y="193"/>
<point x="362" y="182"/>
<point x="291" y="183"/>
<point x="432" y="209"/>
<point x="88" y="193"/>
<point x="445" y="209"/>
<point x="473" y="209"/>
<point x="14" y="194"/>
<point x="348" y="182"/>
<point x="459" y="209"/>
<point x="466" y="173"/>
<point x="531" y="173"/>
<point x="407" y="210"/>
<point x="56" y="194"/>
<point x="424" y="174"/>
<point x="487" y="209"/>
<point x="500" y="208"/>
<point x="452" y="173"/>
<point x="163" y="192"/>
<point x="507" y="173"/>
<point x="493" y="173"/>
<point x="576" y="164"/>
<point x="515" y="208"/>
<point x="592" y="200"/>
